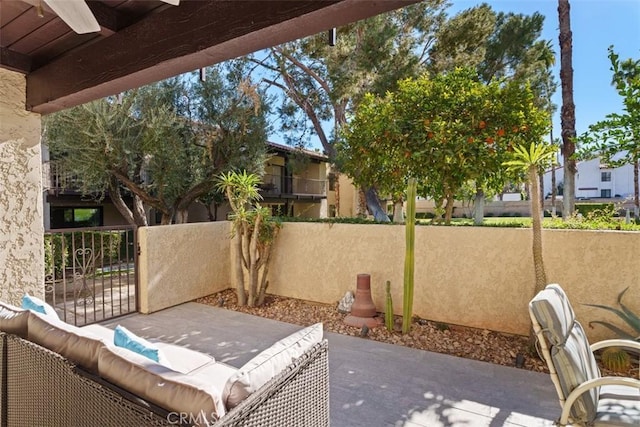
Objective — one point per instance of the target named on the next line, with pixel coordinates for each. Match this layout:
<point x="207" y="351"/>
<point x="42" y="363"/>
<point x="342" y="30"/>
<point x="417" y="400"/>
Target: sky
<point x="596" y="24"/>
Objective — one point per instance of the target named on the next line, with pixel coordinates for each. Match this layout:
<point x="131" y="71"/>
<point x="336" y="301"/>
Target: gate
<point x="91" y="273"/>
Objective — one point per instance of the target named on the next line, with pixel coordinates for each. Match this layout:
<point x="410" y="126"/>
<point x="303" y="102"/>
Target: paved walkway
<point x="371" y="384"/>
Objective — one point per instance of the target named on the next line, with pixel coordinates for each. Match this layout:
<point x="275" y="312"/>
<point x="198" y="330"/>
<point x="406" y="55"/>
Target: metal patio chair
<point x="586" y="398"/>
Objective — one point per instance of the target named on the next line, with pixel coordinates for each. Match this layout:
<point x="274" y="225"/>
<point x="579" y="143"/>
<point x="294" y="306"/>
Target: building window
<point x="76" y="217"/>
<point x="605" y="177"/>
<point x="605" y="193"/>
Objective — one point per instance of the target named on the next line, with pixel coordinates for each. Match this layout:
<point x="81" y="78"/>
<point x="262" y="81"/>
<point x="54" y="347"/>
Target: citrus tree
<point x="443" y="130"/>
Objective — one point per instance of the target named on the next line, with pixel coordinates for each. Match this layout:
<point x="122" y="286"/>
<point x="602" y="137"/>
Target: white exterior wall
<point x="589" y="182"/>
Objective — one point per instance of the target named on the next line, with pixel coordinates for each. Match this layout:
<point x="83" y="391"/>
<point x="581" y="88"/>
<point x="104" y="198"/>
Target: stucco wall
<point x="21" y="221"/>
<point x="480" y="277"/>
<point x="179" y="263"/>
<point x="472" y="276"/>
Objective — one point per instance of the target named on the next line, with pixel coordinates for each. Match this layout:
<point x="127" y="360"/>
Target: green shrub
<point x="586" y="208"/>
<point x="108" y="246"/>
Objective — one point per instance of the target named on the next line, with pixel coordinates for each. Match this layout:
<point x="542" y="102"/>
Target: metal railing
<point x="56" y="179"/>
<point x="283" y="185"/>
<point x="91" y="273"/>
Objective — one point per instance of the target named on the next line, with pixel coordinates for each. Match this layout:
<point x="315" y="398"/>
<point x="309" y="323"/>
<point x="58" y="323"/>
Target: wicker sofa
<point x="44" y="381"/>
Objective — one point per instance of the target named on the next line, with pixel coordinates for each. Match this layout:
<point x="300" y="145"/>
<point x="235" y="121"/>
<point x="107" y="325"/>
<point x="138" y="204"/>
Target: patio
<point x="372" y="383"/>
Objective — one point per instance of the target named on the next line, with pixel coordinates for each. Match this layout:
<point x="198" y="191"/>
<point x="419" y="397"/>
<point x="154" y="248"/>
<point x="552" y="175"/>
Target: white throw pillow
<point x="266" y="365"/>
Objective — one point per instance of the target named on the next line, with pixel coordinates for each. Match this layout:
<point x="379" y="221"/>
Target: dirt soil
<point x="478" y="344"/>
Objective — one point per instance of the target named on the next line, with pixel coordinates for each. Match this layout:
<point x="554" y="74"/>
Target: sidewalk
<point x="371" y="384"/>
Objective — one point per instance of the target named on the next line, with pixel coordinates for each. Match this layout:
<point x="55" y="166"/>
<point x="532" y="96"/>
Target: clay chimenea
<point x="363" y="310"/>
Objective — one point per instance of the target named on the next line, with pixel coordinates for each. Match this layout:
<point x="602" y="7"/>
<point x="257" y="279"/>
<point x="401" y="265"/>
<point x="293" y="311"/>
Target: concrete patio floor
<point x="371" y="384"/>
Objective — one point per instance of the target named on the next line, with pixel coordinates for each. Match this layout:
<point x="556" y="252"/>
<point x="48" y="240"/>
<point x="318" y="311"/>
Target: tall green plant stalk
<point x="388" y="311"/>
<point x="409" y="258"/>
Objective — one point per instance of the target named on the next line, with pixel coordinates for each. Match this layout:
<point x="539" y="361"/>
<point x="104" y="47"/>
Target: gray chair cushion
<point x="618" y="406"/>
<point x="570" y="351"/>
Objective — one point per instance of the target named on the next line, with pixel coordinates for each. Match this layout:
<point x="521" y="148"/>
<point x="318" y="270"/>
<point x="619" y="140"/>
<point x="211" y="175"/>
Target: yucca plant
<point x="624" y="313"/>
<point x="531" y="161"/>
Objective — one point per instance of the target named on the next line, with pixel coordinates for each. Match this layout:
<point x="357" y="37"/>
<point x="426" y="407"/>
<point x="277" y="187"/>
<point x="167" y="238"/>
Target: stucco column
<point x="21" y="224"/>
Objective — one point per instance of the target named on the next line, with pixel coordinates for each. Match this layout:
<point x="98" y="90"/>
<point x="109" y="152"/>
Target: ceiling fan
<point x="76" y="14"/>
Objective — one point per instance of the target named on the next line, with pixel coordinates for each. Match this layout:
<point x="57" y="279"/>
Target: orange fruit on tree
<point x="482" y="124"/>
<point x="500" y="132"/>
<point x="490" y="140"/>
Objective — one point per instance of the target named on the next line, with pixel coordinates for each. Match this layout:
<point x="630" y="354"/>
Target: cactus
<point x="388" y="311"/>
<point x="616" y="359"/>
<point x="409" y="258"/>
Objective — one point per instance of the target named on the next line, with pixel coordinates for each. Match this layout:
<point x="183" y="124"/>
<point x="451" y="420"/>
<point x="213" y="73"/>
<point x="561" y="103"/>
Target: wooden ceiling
<point x="142" y="41"/>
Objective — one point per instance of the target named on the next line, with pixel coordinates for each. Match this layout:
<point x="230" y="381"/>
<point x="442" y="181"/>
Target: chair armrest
<point x="590" y="384"/>
<point x="627" y="344"/>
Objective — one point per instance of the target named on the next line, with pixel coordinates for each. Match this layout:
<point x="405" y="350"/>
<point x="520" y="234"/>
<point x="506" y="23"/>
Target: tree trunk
<point x="536" y="219"/>
<point x="538" y="261"/>
<point x="239" y="271"/>
<point x="131" y="217"/>
<point x="252" y="260"/>
<point x="398" y="215"/>
<point x="138" y="211"/>
<point x="182" y="216"/>
<point x="541" y="180"/>
<point x="478" y="205"/>
<point x="373" y="205"/>
<point x="212" y="213"/>
<point x="568" y="111"/>
<point x="166" y="219"/>
<point x="554" y="190"/>
<point x="636" y="187"/>
<point x="448" y="212"/>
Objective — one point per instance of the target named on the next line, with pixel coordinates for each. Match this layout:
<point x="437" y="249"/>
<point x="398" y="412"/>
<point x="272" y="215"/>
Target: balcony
<point x="291" y="187"/>
<point x="56" y="180"/>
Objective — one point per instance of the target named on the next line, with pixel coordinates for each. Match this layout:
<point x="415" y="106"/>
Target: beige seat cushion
<point x="160" y="385"/>
<point x="181" y="359"/>
<point x="266" y="365"/>
<point x="216" y="373"/>
<point x="14" y="320"/>
<point x="81" y="347"/>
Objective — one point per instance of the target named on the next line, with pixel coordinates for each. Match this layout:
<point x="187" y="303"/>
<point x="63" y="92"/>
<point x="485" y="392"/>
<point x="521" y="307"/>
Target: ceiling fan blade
<point x="76" y="14"/>
<point x="173" y="2"/>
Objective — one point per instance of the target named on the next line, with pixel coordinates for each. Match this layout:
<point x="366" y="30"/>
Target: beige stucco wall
<point x="348" y="197"/>
<point x="179" y="263"/>
<point x="479" y="277"/>
<point x="21" y="221"/>
<point x="472" y="276"/>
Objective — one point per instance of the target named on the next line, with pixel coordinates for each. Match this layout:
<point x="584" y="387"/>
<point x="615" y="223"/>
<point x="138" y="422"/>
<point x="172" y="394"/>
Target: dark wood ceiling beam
<point x="14" y="61"/>
<point x="110" y="20"/>
<point x="184" y="38"/>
